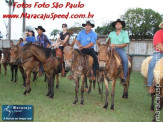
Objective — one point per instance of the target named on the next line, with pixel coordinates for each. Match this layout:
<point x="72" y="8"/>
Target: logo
<point x="17" y="112"/>
<point x="88" y="38"/>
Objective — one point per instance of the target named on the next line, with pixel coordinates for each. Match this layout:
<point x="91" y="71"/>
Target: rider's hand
<point x="81" y="46"/>
<point x="112" y="46"/>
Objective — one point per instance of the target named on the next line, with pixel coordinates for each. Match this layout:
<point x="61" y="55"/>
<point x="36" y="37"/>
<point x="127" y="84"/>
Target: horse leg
<point x="76" y="89"/>
<point x="34" y="76"/>
<point x="152" y="104"/>
<point x="5" y="67"/>
<point x="52" y="85"/>
<point x="12" y="71"/>
<point x="29" y="82"/>
<point x="112" y="94"/>
<point x="99" y="89"/>
<point x="94" y="84"/>
<point x="86" y="85"/>
<point x="16" y="71"/>
<point x="106" y="93"/>
<point x="48" y="78"/>
<point x="57" y="78"/>
<point x="82" y="90"/>
<point x="90" y="85"/>
<point x="0" y="68"/>
<point x="125" y="91"/>
<point x="26" y="83"/>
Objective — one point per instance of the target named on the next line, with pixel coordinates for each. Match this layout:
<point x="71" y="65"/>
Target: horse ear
<point x="98" y="43"/>
<point x="107" y="43"/>
<point x="72" y="44"/>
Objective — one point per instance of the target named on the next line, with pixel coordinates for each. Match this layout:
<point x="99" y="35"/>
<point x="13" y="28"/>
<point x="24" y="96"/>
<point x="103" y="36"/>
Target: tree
<point x="141" y="23"/>
<point x="54" y="33"/>
<point x="105" y="29"/>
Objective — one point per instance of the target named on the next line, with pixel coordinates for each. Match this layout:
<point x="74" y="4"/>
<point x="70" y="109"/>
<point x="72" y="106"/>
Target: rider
<point x="119" y="40"/>
<point x="64" y="37"/>
<point x="158" y="53"/>
<point x="20" y="43"/>
<point x="30" y="37"/>
<point x="42" y="40"/>
<point x="85" y="41"/>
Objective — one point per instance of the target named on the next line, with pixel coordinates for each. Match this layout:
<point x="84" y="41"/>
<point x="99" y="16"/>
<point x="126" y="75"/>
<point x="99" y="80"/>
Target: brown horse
<point x="110" y="70"/>
<point x="25" y="67"/>
<point x="5" y="59"/>
<point x="51" y="64"/>
<point x="81" y="67"/>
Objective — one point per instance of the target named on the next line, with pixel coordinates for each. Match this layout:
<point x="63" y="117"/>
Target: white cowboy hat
<point x="161" y="25"/>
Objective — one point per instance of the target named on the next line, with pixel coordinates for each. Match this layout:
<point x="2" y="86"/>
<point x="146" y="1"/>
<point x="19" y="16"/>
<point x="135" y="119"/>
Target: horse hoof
<point x="51" y="96"/>
<point x="47" y="94"/>
<point x="81" y="104"/>
<point x="112" y="107"/>
<point x="57" y="86"/>
<point x="125" y="96"/>
<point x="75" y="102"/>
<point x="89" y="91"/>
<point x="105" y="106"/>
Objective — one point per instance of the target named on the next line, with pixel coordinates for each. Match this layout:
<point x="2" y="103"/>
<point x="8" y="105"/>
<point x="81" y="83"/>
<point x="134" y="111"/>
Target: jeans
<point x="155" y="58"/>
<point x="91" y="52"/>
<point x="124" y="59"/>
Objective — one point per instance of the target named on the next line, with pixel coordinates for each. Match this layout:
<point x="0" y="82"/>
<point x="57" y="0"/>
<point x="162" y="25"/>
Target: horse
<point x="81" y="67"/>
<point x="14" y="53"/>
<point x="158" y="82"/>
<point x="52" y="65"/>
<point x="111" y="70"/>
<point x="5" y="59"/>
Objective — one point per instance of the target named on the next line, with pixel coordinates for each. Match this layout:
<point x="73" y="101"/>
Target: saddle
<point x="118" y="60"/>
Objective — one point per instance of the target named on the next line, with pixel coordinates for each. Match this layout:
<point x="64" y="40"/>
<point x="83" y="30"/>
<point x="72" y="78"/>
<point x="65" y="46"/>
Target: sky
<point x="103" y="10"/>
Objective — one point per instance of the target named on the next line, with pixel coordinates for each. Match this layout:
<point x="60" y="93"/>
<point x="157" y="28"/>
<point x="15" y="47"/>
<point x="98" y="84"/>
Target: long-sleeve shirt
<point x="43" y="40"/>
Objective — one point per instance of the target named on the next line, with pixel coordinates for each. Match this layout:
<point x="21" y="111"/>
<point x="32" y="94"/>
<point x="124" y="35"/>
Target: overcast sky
<point x="103" y="10"/>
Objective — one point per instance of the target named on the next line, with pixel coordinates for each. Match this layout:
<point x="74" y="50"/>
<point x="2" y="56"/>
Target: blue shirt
<point x="43" y="40"/>
<point x="21" y="44"/>
<point x="86" y="38"/>
<point x="30" y="39"/>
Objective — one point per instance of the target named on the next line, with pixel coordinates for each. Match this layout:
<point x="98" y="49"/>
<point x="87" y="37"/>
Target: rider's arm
<point x="89" y="45"/>
<point x="65" y="40"/>
<point x="121" y="45"/>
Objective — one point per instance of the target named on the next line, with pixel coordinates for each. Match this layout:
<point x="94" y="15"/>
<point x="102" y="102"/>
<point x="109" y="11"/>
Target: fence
<point x="139" y="50"/>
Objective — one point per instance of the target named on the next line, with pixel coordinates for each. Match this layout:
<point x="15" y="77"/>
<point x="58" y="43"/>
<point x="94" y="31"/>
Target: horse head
<point x="103" y="55"/>
<point x="68" y="55"/>
<point x="5" y="56"/>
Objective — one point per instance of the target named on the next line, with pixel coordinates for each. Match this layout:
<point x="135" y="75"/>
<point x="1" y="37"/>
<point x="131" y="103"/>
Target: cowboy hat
<point x="161" y="25"/>
<point x="118" y="20"/>
<point x="88" y="22"/>
<point x="41" y="28"/>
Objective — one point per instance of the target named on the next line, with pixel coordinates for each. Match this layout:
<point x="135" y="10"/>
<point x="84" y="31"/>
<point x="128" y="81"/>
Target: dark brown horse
<point x="81" y="67"/>
<point x="51" y="64"/>
<point x="5" y="59"/>
<point x="24" y="66"/>
<point x="111" y="70"/>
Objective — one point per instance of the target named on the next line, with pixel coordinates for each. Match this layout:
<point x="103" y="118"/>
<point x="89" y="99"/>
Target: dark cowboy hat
<point x="41" y="28"/>
<point x="118" y="20"/>
<point x="88" y="22"/>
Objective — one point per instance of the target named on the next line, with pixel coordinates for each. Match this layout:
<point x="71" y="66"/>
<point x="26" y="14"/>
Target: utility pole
<point x="24" y="22"/>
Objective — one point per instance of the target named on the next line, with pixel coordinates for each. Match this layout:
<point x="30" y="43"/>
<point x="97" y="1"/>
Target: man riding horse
<point x="158" y="54"/>
<point x="85" y="41"/>
<point x="119" y="40"/>
<point x="42" y="40"/>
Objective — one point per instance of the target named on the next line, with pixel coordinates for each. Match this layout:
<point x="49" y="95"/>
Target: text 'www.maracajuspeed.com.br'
<point x="52" y="16"/>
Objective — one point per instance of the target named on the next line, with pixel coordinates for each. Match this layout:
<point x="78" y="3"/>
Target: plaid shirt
<point x="43" y="40"/>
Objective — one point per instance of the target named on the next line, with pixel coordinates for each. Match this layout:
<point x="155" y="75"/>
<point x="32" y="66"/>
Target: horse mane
<point x="47" y="51"/>
<point x="78" y="51"/>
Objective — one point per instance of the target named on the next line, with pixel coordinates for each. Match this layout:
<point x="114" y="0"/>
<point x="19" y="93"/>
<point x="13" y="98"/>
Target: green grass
<point x="60" y="109"/>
